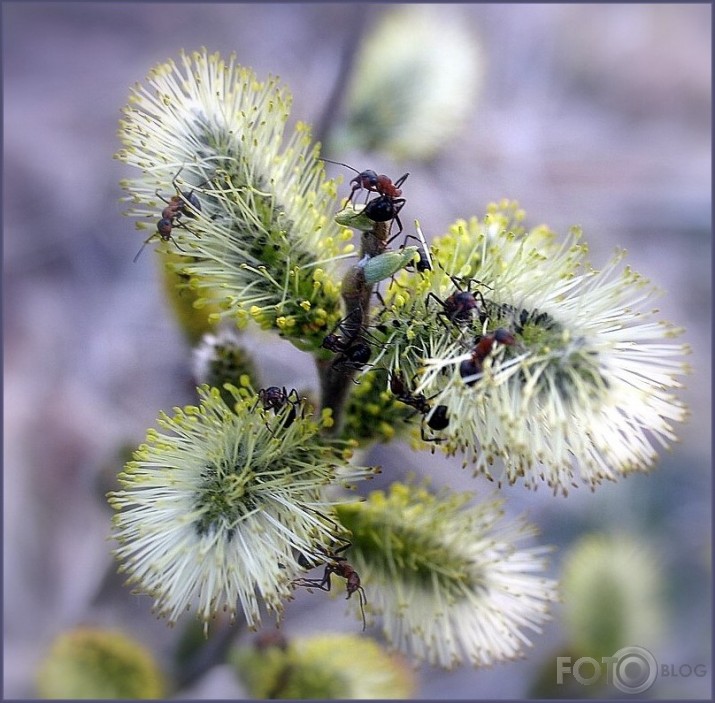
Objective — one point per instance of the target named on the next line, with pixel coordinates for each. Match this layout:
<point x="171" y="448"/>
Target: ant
<point x="275" y="398"/>
<point x="353" y="348"/>
<point x="353" y="356"/>
<point x="482" y="349"/>
<point x="386" y="207"/>
<point x="339" y="566"/>
<point x="180" y="204"/>
<point x="350" y="326"/>
<point x="437" y="420"/>
<point x="424" y="263"/>
<point x="458" y="307"/>
<point x="371" y="182"/>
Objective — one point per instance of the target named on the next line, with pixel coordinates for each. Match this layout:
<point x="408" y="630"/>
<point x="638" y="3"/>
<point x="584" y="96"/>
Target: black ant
<point x="350" y="326"/>
<point x="399" y="390"/>
<point x="458" y="307"/>
<point x="180" y="204"/>
<point x="354" y="356"/>
<point x="339" y="566"/>
<point x="353" y="348"/>
<point x="424" y="263"/>
<point x="482" y="349"/>
<point x="437" y="420"/>
<point x="275" y="398"/>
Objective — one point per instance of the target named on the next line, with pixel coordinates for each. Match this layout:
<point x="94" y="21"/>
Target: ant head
<point x="164" y="227"/>
<point x="272" y="397"/>
<point x="463" y="300"/>
<point x="367" y="179"/>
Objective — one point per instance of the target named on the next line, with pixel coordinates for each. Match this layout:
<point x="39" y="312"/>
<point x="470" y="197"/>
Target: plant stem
<point x="335" y="375"/>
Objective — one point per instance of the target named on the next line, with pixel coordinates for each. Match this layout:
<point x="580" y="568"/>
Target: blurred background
<point x="596" y="115"/>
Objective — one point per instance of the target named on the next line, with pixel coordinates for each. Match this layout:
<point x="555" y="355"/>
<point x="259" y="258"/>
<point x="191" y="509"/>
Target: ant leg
<point x="323" y="584"/>
<point x="344" y="362"/>
<point x="481" y="297"/>
<point x="333" y="522"/>
<point x="294" y="399"/>
<point x="175" y="178"/>
<point x="161" y="197"/>
<point x="363" y="600"/>
<point x="310" y="583"/>
<point x="378" y="295"/>
<point x="425" y="258"/>
<point x="401" y="180"/>
<point x="354" y="318"/>
<point x="347" y="545"/>
<point x="436" y="297"/>
<point x="456" y="281"/>
<point x="188" y="229"/>
<point x="399" y="207"/>
<point x="442" y="315"/>
<point x="410" y="236"/>
<point x="176" y="244"/>
<point x="326" y="583"/>
<point x="174" y="182"/>
<point x="435" y="440"/>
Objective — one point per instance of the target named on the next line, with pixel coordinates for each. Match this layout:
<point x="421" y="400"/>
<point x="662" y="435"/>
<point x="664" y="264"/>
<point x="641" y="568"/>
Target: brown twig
<point x="335" y="376"/>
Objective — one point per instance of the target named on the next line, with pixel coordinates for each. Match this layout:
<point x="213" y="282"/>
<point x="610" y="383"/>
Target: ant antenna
<point x="338" y="163"/>
<point x="146" y="241"/>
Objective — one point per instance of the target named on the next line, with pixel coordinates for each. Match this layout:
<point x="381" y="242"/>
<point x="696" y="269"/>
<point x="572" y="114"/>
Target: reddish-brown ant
<point x="386" y="207"/>
<point x="180" y="204"/>
<point x="458" y="307"/>
<point x="370" y="181"/>
<point x="339" y="566"/>
<point x="482" y="349"/>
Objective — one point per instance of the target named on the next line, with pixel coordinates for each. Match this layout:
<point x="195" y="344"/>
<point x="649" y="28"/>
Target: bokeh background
<point x="598" y="115"/>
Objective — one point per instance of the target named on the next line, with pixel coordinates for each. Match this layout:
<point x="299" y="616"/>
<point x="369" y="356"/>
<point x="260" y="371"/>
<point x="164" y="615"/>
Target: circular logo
<point x="635" y="669"/>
